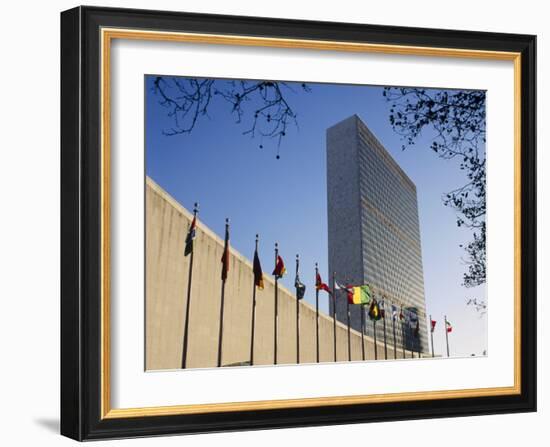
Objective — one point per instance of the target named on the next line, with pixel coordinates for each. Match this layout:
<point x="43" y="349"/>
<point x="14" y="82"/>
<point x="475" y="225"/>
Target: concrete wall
<point x="166" y="288"/>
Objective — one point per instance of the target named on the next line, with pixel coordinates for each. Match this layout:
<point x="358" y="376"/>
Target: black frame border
<point x="81" y="223"/>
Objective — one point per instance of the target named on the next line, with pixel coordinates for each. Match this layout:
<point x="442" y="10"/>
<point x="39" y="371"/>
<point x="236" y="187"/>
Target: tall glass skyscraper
<point x="374" y="235"/>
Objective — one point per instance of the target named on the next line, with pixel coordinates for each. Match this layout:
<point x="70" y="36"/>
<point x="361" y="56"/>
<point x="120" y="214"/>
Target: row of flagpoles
<point x="356" y="295"/>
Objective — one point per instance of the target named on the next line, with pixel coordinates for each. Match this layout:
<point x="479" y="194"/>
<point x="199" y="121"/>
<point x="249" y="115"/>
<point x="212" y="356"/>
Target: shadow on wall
<point x="51" y="425"/>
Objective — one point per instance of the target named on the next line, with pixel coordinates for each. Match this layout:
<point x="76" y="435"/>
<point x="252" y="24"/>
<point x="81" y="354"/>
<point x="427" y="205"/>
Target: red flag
<point x="349" y="293"/>
<point x="433" y="325"/>
<point x="320" y="285"/>
<point x="280" y="268"/>
<point x="225" y="255"/>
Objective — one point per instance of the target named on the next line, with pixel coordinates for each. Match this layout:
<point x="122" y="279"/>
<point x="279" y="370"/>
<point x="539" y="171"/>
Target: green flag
<point x="361" y="295"/>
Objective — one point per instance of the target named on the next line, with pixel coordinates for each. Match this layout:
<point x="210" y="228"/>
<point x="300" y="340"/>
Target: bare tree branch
<point x="263" y="105"/>
<point x="457" y="119"/>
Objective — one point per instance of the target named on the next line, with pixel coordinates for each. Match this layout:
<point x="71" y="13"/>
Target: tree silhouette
<point x="457" y="117"/>
<point x="262" y="104"/>
<point x="480" y="306"/>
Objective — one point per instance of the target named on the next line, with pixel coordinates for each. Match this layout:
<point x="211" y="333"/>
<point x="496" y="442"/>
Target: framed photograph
<point x="275" y="223"/>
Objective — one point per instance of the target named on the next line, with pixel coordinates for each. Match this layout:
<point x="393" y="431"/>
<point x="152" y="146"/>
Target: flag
<point x="347" y="289"/>
<point x="401" y="316"/>
<point x="393" y="312"/>
<point x="417" y="329"/>
<point x="300" y="287"/>
<point x="360" y="294"/>
<point x="320" y="285"/>
<point x="225" y="255"/>
<point x="382" y="308"/>
<point x="374" y="311"/>
<point x="433" y="322"/>
<point x="280" y="268"/>
<point x="448" y="326"/>
<point x="412" y="318"/>
<point x="258" y="274"/>
<point x="190" y="237"/>
<point x="339" y="286"/>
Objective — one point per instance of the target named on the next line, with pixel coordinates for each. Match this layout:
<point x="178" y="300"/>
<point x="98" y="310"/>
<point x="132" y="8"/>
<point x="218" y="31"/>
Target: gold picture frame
<point x="105" y="26"/>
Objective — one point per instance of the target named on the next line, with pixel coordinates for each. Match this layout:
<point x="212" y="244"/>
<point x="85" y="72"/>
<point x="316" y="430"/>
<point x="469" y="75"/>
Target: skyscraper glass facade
<point x="373" y="215"/>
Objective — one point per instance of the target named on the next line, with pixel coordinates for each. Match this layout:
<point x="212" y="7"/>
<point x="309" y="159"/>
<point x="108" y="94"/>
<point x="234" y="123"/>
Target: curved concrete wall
<point x="166" y="289"/>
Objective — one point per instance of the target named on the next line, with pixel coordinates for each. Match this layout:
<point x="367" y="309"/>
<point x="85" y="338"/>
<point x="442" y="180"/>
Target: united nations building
<point x="373" y="233"/>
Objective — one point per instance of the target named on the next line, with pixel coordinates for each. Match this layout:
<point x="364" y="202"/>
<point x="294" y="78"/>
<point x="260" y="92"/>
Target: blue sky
<point x="284" y="199"/>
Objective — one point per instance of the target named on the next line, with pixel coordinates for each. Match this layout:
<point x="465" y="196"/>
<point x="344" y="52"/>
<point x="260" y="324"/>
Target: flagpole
<point x="432" y="335"/>
<point x="276" y="308"/>
<point x="402" y="332"/>
<point x="393" y="330"/>
<point x="222" y="301"/>
<point x="385" y="339"/>
<point x="412" y="342"/>
<point x="363" y="331"/>
<point x="375" y="343"/>
<point x="317" y="312"/>
<point x="187" y="305"/>
<point x="446" y="335"/>
<point x="297" y="316"/>
<point x="334" y="312"/>
<point x="418" y="339"/>
<point x="253" y="324"/>
<point x="349" y="331"/>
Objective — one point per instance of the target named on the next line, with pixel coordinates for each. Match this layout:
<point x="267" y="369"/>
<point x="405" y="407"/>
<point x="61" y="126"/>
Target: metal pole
<point x="334" y="312"/>
<point x="412" y="339"/>
<point x="393" y="329"/>
<point x="276" y="308"/>
<point x="385" y="339"/>
<point x="363" y="331"/>
<point x="402" y="333"/>
<point x="220" y="334"/>
<point x="188" y="303"/>
<point x="446" y="335"/>
<point x="317" y="312"/>
<point x="409" y="333"/>
<point x="253" y="325"/>
<point x="222" y="303"/>
<point x="375" y="343"/>
<point x="413" y="342"/>
<point x="417" y="337"/>
<point x="432" y="335"/>
<point x="297" y="316"/>
<point x="349" y="331"/>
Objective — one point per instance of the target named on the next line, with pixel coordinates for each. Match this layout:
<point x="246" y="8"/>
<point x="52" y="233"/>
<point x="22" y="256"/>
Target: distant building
<point x="373" y="231"/>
